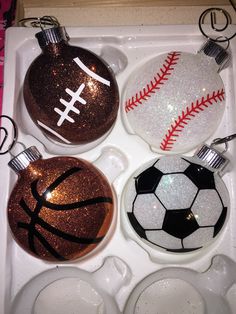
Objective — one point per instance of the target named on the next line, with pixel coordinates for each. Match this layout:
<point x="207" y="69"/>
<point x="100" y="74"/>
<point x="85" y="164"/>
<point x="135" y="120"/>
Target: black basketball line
<point x="55" y="231"/>
<point x="35" y="219"/>
<point x="39" y="205"/>
<point x="71" y="206"/>
<point x="60" y="179"/>
<point x="32" y="229"/>
<point x="44" y="242"/>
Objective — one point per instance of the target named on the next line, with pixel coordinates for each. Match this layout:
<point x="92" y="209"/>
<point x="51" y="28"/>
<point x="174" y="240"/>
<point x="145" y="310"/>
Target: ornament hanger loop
<point x="5" y="136"/>
<point x="226" y="39"/>
<point x="47" y="20"/>
<point x="223" y="140"/>
<point x="213" y="20"/>
<point x="212" y="12"/>
<point x="226" y="139"/>
<point x="42" y="22"/>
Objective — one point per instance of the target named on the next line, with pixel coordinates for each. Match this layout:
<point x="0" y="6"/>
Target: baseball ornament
<point x="61" y="208"/>
<point x="69" y="92"/>
<point x="176" y="100"/>
<point x="177" y="203"/>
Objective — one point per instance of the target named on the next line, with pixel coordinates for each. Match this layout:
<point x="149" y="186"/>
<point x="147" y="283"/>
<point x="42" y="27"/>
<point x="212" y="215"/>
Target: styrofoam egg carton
<point x="104" y="281"/>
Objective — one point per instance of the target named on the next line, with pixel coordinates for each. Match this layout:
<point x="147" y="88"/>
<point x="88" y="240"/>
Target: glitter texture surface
<point x="163" y="239"/>
<point x="176" y="165"/>
<point x="60" y="208"/>
<point x="181" y="206"/>
<point x="176" y="191"/>
<point x="154" y="209"/>
<point x="207" y="207"/>
<point x="175" y="101"/>
<point x="199" y="237"/>
<point x="71" y="94"/>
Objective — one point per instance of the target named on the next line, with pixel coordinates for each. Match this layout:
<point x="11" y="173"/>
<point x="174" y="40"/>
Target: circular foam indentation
<point x="70" y="296"/>
<point x="170" y="296"/>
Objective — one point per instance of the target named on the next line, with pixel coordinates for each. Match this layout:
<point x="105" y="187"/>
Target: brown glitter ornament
<point x="61" y="208"/>
<point x="69" y="92"/>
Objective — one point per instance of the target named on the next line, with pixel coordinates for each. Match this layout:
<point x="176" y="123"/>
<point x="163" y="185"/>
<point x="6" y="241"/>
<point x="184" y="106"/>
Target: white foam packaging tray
<point x="138" y="44"/>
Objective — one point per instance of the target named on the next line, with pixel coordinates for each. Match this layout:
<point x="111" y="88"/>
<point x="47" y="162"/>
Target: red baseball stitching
<point x="182" y="120"/>
<point x="155" y="83"/>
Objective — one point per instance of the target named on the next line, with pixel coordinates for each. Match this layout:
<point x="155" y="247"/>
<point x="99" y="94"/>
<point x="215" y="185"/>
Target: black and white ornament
<point x="177" y="203"/>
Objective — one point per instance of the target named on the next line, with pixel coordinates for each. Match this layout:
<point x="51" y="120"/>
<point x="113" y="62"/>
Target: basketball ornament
<point x="176" y="100"/>
<point x="61" y="208"/>
<point x="177" y="204"/>
<point x="70" y="93"/>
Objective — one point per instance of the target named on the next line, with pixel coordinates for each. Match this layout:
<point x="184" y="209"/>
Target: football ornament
<point x="61" y="208"/>
<point x="69" y="92"/>
<point x="177" y="203"/>
<point x="176" y="100"/>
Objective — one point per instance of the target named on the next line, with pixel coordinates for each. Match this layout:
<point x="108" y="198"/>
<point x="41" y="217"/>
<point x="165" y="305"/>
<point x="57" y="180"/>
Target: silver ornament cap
<point x="51" y="35"/>
<point x="22" y="160"/>
<point x="211" y="157"/>
<point x="212" y="49"/>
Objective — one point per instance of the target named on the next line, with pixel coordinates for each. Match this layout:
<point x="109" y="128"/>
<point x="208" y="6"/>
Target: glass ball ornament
<point x="60" y="208"/>
<point x="176" y="100"/>
<point x="177" y="203"/>
<point x="70" y="93"/>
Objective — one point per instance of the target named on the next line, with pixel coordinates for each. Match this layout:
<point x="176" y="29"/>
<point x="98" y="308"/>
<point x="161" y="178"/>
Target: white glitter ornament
<point x="176" y="100"/>
<point x="177" y="203"/>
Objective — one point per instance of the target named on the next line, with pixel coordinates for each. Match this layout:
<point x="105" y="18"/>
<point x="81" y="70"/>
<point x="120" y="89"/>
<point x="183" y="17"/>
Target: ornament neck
<point x="216" y="53"/>
<point x="209" y="62"/>
<point x="211" y="158"/>
<point x="54" y="48"/>
<point x="23" y="160"/>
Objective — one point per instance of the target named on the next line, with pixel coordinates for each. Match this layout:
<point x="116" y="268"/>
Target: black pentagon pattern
<point x="136" y="225"/>
<point x="180" y="223"/>
<point x="200" y="176"/>
<point x="147" y="181"/>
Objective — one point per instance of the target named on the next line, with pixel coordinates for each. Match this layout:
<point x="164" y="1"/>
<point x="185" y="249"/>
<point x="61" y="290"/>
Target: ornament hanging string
<point x="223" y="140"/>
<point x="42" y="22"/>
<point x="227" y="41"/>
<point x="213" y="23"/>
<point x="6" y="134"/>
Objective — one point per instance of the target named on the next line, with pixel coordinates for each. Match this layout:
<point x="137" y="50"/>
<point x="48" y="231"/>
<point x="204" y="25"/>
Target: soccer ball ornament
<point x="69" y="92"/>
<point x="61" y="208"/>
<point x="177" y="203"/>
<point x="176" y="100"/>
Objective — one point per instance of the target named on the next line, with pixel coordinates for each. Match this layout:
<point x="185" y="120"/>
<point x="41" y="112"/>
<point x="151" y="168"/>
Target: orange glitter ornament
<point x="61" y="208"/>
